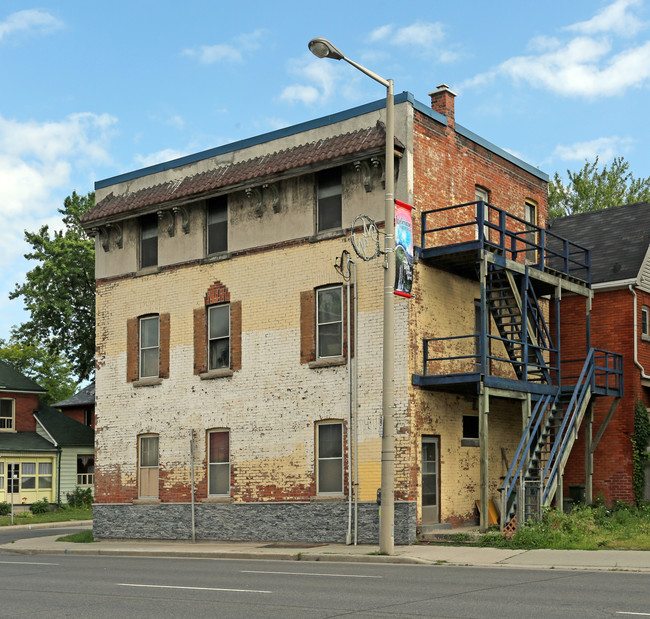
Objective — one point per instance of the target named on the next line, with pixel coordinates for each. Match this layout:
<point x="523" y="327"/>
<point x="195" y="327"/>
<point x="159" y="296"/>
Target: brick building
<point x="620" y="321"/>
<point x="229" y="396"/>
<point x="43" y="453"/>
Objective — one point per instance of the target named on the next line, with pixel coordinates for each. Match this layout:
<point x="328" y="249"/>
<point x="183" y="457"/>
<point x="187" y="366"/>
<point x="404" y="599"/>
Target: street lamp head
<point x="322" y="48"/>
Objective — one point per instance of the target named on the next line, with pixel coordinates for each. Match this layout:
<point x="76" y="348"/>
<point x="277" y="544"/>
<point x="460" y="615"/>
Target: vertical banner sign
<point x="403" y="249"/>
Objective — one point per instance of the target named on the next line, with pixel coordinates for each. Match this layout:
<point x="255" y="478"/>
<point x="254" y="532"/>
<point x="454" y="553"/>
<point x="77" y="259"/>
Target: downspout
<point x="355" y="408"/>
<point x="348" y="535"/>
<point x="192" y="485"/>
<point x="636" y="351"/>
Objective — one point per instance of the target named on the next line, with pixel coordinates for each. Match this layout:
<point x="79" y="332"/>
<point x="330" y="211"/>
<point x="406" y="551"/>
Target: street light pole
<point x="322" y="48"/>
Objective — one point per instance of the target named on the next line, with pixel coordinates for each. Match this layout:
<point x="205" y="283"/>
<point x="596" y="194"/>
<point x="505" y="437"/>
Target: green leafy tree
<point x="50" y="370"/>
<point x="592" y="189"/>
<point x="59" y="292"/>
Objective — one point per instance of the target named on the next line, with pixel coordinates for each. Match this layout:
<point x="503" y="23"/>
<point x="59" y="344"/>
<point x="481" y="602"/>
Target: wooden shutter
<point x="307" y="326"/>
<point x="235" y="336"/>
<point x="132" y="350"/>
<point x="200" y="340"/>
<point x="163" y="355"/>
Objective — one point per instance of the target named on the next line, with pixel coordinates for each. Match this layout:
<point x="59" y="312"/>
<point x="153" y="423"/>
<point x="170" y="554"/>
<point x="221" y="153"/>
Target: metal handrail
<point x="552" y="250"/>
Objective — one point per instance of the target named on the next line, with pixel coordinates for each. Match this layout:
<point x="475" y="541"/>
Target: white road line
<point x="25" y="563"/>
<point x="126" y="584"/>
<point x="622" y="612"/>
<point x="308" y="574"/>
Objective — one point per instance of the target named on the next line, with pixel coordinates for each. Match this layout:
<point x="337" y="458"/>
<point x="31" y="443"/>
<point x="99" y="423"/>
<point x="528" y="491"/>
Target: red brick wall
<point x="448" y="167"/>
<point x="24" y="407"/>
<point x="79" y="414"/>
<point x="612" y="328"/>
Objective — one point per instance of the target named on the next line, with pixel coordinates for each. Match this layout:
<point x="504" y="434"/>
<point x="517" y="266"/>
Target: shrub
<point x="80" y="497"/>
<point x="40" y="507"/>
<point x="5" y="508"/>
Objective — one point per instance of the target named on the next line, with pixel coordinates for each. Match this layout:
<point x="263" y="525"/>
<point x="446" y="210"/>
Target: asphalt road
<point x="9" y="534"/>
<point x="66" y="586"/>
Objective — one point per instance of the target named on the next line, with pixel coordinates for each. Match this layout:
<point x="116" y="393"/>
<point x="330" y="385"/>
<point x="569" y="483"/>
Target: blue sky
<point x="94" y="89"/>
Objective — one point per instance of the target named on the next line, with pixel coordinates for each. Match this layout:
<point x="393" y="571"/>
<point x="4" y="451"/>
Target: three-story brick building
<point x="230" y="399"/>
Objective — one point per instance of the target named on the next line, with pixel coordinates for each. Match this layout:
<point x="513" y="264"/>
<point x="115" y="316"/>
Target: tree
<point x="591" y="189"/>
<point x="59" y="292"/>
<point x="50" y="371"/>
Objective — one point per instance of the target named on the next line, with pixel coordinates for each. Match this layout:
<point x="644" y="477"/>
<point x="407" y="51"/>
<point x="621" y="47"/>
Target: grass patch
<point x="62" y="514"/>
<point x="83" y="537"/>
<point x="595" y="527"/>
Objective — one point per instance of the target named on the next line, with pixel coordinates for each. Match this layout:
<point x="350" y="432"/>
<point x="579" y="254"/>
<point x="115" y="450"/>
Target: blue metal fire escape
<point x="516" y="264"/>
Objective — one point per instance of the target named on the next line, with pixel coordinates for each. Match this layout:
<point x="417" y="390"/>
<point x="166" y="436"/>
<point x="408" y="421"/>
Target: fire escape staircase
<point x="558" y="401"/>
<point x="520" y="323"/>
<point x="532" y="478"/>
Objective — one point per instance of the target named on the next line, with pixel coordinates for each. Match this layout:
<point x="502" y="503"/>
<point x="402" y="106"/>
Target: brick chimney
<point x="442" y="100"/>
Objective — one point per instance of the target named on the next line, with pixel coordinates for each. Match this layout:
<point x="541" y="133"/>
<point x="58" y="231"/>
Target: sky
<point x="89" y="90"/>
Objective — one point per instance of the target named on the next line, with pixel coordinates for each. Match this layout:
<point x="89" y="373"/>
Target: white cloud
<point x="227" y="52"/>
<point x="161" y="156"/>
<point x="37" y="164"/>
<point x="29" y="20"/>
<point x="37" y="159"/>
<point x="421" y="37"/>
<point x="325" y="79"/>
<point x="381" y="33"/>
<point x="300" y="94"/>
<point x="613" y="18"/>
<point x="603" y="148"/>
<point x="176" y="121"/>
<point x="583" y="66"/>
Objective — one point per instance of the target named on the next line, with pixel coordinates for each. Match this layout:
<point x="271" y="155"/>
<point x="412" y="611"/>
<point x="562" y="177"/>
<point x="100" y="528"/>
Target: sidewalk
<point x="417" y="554"/>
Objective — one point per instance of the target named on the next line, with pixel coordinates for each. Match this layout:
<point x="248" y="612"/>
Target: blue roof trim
<point x="431" y="113"/>
<point x="316" y="123"/>
<point x="502" y="153"/>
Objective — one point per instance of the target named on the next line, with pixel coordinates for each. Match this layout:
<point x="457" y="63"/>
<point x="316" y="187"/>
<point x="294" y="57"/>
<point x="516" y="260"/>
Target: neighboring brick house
<point x="80" y="406"/>
<point x="619" y="241"/>
<point x="39" y="446"/>
<point x="222" y="346"/>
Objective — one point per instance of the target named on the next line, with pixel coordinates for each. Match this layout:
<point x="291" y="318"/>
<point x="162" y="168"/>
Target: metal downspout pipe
<point x="636" y="346"/>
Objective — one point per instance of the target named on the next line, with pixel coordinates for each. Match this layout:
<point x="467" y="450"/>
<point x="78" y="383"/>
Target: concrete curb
<point x="48" y="525"/>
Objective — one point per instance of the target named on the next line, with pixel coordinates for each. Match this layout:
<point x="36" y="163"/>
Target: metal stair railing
<point x="525" y="334"/>
<point x="579" y="398"/>
<point x="541" y="411"/>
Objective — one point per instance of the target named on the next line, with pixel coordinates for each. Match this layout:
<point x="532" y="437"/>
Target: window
<point x="44" y="475"/>
<point x="148" y="241"/>
<point x="330" y="458"/>
<point x="482" y="195"/>
<point x="645" y="324"/>
<point x="88" y="417"/>
<point x="85" y="469"/>
<point x="6" y="414"/>
<point x="219" y="463"/>
<point x="149" y="466"/>
<point x="329" y="200"/>
<point x="329" y="322"/>
<point x="217" y="224"/>
<point x="149" y="346"/>
<point x="2" y="475"/>
<point x="219" y="336"/>
<point x="28" y="477"/>
<point x="470" y="427"/>
<point x="531" y="227"/>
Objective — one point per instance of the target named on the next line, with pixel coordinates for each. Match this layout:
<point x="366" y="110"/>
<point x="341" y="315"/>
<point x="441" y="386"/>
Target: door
<point x="430" y="479"/>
